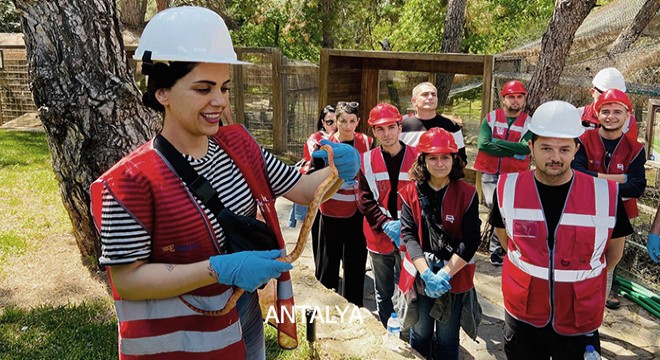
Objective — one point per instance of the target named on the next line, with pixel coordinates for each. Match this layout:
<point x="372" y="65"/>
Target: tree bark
<point x="87" y="99"/>
<point x="162" y="5"/>
<point x="555" y="45"/>
<point x="326" y="18"/>
<point x="451" y="43"/>
<point x="630" y="34"/>
<point x="132" y="13"/>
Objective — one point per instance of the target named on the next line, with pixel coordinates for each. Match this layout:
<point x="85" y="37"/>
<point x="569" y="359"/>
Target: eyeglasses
<point x="329" y="122"/>
<point x="348" y="104"/>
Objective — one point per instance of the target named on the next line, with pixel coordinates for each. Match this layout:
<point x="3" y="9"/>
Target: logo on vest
<point x="619" y="167"/>
<point x="450" y="218"/>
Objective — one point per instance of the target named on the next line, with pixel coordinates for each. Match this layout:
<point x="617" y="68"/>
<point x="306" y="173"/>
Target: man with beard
<point x="607" y="153"/>
<point x="425" y="102"/>
<point x="384" y="171"/>
<point x="502" y="145"/>
<point x="563" y="230"/>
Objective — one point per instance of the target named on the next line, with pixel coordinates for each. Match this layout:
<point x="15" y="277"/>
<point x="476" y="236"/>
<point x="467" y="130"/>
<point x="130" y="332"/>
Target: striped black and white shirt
<point x="124" y="240"/>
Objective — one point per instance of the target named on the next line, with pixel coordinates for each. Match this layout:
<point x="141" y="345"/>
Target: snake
<point x="323" y="192"/>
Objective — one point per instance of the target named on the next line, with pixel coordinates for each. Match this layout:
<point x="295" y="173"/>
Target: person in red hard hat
<point x="383" y="173"/>
<point x="562" y="230"/>
<point x="606" y="79"/>
<point x="608" y="153"/>
<point x="502" y="145"/>
<point x="440" y="230"/>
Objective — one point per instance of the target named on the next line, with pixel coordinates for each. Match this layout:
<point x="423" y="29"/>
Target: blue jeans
<point x="386" y="268"/>
<point x="249" y="314"/>
<point x="446" y="333"/>
<point x="488" y="187"/>
<point x="298" y="213"/>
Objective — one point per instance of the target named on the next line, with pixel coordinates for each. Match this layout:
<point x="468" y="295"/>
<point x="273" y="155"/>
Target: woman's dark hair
<point x="326" y="110"/>
<point x="419" y="172"/>
<point x="163" y="76"/>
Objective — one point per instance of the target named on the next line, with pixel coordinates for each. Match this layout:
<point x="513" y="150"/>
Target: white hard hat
<point x="609" y="78"/>
<point x="557" y="119"/>
<point x="187" y="33"/>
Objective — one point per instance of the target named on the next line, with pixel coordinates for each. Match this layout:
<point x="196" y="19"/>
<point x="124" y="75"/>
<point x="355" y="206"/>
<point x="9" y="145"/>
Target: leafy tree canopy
<point x="9" y="20"/>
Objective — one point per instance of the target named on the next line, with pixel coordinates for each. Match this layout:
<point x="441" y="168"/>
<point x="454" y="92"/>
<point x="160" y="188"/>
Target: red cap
<point x="613" y="96"/>
<point x="513" y="87"/>
<point x="437" y="141"/>
<point x="383" y="114"/>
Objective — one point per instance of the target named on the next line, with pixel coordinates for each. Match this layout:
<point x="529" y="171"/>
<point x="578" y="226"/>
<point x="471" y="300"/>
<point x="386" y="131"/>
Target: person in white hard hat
<point x="605" y="79"/>
<point x="164" y="241"/>
<point x="607" y="153"/>
<point x="562" y="230"/>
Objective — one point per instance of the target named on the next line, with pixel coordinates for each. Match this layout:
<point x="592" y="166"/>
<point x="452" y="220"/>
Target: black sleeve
<point x="409" y="233"/>
<point x="581" y="162"/>
<point x="495" y="217"/>
<point x="369" y="206"/>
<point x="471" y="228"/>
<point x="636" y="184"/>
<point x="622" y="226"/>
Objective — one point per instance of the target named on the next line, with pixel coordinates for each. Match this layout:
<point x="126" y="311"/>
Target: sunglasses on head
<point x="329" y="122"/>
<point x="348" y="104"/>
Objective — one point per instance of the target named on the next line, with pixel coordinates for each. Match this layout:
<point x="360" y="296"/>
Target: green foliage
<point x="10" y="21"/>
<point x="420" y="26"/>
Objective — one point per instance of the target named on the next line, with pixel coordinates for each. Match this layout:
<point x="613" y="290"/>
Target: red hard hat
<point x="513" y="87"/>
<point x="437" y="141"/>
<point x="383" y="114"/>
<point x="613" y="96"/>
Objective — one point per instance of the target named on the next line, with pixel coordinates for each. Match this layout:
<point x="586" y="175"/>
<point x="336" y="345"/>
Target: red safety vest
<point x="313" y="143"/>
<point x="492" y="164"/>
<point x="567" y="284"/>
<point x="455" y="203"/>
<point x="343" y="204"/>
<point x="181" y="233"/>
<point x="630" y="128"/>
<point x="624" y="153"/>
<point x="378" y="179"/>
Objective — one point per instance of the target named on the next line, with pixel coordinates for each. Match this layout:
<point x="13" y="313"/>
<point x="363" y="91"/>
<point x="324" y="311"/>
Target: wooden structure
<point x="351" y="75"/>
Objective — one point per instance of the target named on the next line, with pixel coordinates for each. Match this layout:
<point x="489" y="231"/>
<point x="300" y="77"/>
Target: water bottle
<point x="394" y="325"/>
<point x="591" y="354"/>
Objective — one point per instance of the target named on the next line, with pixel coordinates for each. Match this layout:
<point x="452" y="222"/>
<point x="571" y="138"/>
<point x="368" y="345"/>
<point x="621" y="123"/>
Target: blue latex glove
<point x="392" y="229"/>
<point x="436" y="284"/>
<point x="653" y="246"/>
<point x="519" y="157"/>
<point x="248" y="269"/>
<point x="347" y="158"/>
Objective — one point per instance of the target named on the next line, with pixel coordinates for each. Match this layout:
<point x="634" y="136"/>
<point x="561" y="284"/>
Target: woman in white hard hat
<point x="164" y="240"/>
<point x="440" y="229"/>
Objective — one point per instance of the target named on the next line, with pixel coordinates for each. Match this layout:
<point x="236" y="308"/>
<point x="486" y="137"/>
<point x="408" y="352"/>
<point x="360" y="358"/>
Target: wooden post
<point x="486" y="105"/>
<point x="368" y="96"/>
<point x="239" y="87"/>
<point x="323" y="79"/>
<point x="278" y="128"/>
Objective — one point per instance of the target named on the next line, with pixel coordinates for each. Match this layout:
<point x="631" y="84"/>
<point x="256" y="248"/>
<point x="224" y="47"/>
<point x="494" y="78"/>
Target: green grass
<point x="68" y="332"/>
<point x="31" y="208"/>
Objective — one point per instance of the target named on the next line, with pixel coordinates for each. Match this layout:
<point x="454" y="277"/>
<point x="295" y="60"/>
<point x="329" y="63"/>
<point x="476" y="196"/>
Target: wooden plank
<point x="426" y="65"/>
<point x="279" y="130"/>
<point x="299" y="70"/>
<point x="323" y="80"/>
<point x="487" y="90"/>
<point x="238" y="94"/>
<point x="369" y="96"/>
<point x="367" y="54"/>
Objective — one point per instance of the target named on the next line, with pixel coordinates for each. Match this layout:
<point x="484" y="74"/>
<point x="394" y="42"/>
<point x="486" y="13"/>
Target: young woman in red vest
<point x="160" y="243"/>
<point x="340" y="226"/>
<point x="440" y="229"/>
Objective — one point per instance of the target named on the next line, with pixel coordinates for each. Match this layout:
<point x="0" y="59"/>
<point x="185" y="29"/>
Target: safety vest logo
<point x="450" y="218"/>
<point x="619" y="167"/>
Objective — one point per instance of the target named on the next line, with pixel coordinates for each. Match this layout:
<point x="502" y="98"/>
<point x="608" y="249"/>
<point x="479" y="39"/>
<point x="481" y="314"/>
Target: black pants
<point x="342" y="239"/>
<point x="523" y="341"/>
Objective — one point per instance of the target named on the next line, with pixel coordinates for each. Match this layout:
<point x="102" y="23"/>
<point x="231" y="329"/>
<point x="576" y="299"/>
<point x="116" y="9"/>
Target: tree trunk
<point x="162" y="5"/>
<point x="451" y="43"/>
<point x="630" y="34"/>
<point x="326" y="19"/>
<point x="132" y="13"/>
<point x="87" y="99"/>
<point x="555" y="45"/>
